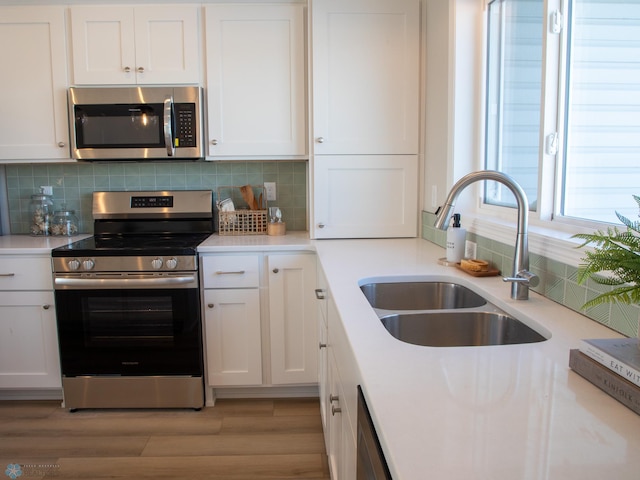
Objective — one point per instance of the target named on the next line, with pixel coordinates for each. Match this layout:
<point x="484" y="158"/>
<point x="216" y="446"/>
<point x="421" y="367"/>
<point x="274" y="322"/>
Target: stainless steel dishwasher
<point x="371" y="464"/>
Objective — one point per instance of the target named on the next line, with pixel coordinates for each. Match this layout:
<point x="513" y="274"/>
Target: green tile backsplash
<point x="558" y="281"/>
<point x="74" y="183"/>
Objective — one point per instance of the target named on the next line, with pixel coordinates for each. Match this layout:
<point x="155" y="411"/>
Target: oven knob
<point x="156" y="263"/>
<point x="88" y="264"/>
<point x="73" y="264"/>
<point x="172" y="263"/>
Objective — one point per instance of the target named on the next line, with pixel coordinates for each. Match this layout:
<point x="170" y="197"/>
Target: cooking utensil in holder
<point x="249" y="213"/>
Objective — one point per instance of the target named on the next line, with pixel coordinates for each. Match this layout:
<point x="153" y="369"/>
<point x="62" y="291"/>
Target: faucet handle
<point x="524" y="277"/>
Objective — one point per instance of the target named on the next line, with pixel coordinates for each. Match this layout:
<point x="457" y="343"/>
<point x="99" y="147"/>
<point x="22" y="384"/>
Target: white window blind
<point x="602" y="147"/>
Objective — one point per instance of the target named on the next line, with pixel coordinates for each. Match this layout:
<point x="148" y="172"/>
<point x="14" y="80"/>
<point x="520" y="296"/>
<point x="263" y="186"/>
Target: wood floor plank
<point x="247" y="439"/>
<point x="73" y="446"/>
<point x="254" y="425"/>
<point x="267" y="444"/>
<point x="235" y="467"/>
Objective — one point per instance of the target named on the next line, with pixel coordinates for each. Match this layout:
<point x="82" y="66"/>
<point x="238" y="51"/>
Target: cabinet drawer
<point x="22" y="273"/>
<point x="231" y="271"/>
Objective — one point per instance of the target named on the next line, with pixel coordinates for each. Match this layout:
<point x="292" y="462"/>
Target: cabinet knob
<point x="46" y="306"/>
<point x="126" y="69"/>
<point x="333" y="398"/>
<point x="210" y="305"/>
<point x="140" y="69"/>
<point x="61" y="144"/>
<point x="322" y="345"/>
<point x="320" y="294"/>
<point x="321" y="225"/>
<point x="320" y="140"/>
<point x="275" y="270"/>
<point x="335" y="410"/>
<point x="214" y="142"/>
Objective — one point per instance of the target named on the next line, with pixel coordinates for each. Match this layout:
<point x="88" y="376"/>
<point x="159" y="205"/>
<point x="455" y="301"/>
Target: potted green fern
<point x="615" y="261"/>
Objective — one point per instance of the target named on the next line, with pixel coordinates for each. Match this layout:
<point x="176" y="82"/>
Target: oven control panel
<point x="125" y="264"/>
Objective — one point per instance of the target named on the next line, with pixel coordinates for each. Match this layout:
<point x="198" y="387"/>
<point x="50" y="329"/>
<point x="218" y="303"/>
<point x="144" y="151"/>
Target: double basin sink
<point x="444" y="314"/>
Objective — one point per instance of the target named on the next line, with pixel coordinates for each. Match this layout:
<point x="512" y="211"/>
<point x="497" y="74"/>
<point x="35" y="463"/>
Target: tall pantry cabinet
<point x="365" y="69"/>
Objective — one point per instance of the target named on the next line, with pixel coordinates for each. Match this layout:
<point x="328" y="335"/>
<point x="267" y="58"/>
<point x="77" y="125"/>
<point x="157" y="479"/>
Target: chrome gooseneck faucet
<point x="522" y="278"/>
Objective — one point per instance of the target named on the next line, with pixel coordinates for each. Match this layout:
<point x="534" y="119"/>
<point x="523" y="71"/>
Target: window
<point x="597" y="106"/>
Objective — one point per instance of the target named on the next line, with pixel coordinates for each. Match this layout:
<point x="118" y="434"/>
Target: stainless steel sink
<point x="459" y="329"/>
<point x="420" y="296"/>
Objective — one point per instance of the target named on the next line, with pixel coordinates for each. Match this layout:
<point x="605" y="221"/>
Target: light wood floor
<point x="237" y="440"/>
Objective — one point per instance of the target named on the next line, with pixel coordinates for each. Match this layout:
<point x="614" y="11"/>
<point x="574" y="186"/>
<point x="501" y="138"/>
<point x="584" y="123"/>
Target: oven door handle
<point x="124" y="282"/>
<point x="168" y="126"/>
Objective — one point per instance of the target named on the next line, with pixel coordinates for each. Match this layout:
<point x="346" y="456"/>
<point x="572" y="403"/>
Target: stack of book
<point x="613" y="365"/>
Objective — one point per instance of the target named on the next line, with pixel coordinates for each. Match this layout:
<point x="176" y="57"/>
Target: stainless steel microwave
<point x="135" y="123"/>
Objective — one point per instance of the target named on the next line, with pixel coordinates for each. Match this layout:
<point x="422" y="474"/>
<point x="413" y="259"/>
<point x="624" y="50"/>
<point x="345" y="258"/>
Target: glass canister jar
<point x="41" y="214"/>
<point x="64" y="223"/>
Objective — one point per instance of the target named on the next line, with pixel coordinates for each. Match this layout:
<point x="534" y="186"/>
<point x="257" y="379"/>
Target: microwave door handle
<point x="168" y="124"/>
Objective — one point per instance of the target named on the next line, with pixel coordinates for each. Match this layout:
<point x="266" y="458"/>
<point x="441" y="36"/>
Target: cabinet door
<point x="292" y="318"/>
<point x="360" y="196"/>
<point x="28" y="341"/>
<point x="127" y="45"/>
<point x="255" y="80"/>
<point x="34" y="83"/>
<point x="167" y="46"/>
<point x="232" y="336"/>
<point x="103" y="45"/>
<point x="365" y="57"/>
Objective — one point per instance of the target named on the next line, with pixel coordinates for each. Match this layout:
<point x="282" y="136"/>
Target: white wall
<point x="454" y="79"/>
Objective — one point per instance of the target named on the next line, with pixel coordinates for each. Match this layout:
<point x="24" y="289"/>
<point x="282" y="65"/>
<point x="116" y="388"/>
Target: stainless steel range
<point x="128" y="303"/>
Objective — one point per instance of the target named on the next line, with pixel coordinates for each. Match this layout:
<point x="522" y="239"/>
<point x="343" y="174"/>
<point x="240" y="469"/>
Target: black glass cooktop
<point x="128" y="245"/>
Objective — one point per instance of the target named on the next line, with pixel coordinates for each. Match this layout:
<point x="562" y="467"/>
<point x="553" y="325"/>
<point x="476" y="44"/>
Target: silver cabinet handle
<point x="127" y="69"/>
<point x="321" y="225"/>
<point x="333" y="398"/>
<point x="238" y="272"/>
<point x="335" y="410"/>
<point x="320" y="294"/>
<point x="275" y="270"/>
<point x="320" y="139"/>
<point x="140" y="69"/>
<point x="46" y="307"/>
<point x="7" y="274"/>
<point x="210" y="305"/>
<point x="167" y="124"/>
<point x="214" y="142"/>
<point x="322" y="345"/>
<point x="61" y="144"/>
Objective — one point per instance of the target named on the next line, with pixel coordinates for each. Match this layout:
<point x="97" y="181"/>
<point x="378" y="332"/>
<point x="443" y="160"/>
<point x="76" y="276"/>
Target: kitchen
<point x="291" y="176"/>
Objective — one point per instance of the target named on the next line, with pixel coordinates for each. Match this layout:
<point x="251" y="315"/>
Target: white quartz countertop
<point x="496" y="413"/>
<point x="292" y="241"/>
<point x="28" y="245"/>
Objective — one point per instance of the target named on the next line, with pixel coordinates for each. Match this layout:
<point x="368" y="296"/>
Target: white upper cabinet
<point x="366" y="70"/>
<point x="256" y="80"/>
<point x="33" y="97"/>
<point x="365" y="196"/>
<point x="120" y="44"/>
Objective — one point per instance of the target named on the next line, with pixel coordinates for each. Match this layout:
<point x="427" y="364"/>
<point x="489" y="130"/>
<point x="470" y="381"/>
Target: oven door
<point x="129" y="332"/>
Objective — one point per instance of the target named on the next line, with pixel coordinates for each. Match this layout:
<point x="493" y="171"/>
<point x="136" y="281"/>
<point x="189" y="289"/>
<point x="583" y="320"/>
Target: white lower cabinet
<point x="232" y="325"/>
<point x="292" y="318"/>
<point x="232" y="319"/>
<point x="337" y="388"/>
<point x="259" y="319"/>
<point x="29" y="357"/>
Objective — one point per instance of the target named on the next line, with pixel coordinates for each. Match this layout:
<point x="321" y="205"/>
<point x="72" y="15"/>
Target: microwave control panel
<point x="185" y="115"/>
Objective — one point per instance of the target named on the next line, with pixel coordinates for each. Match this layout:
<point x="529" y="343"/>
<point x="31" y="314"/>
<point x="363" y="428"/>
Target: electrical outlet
<point x="270" y="190"/>
<point x="470" y="249"/>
